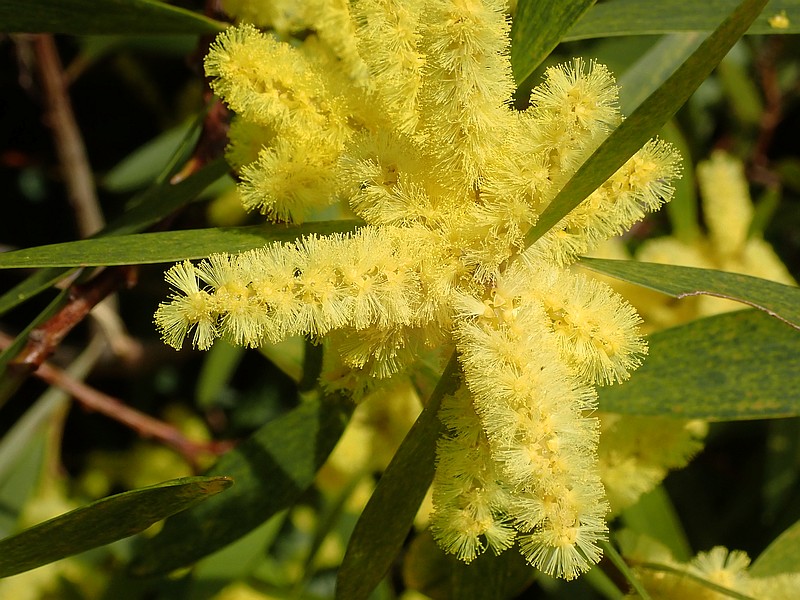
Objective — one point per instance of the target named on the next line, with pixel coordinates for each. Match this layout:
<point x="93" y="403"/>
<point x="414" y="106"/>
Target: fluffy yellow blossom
<point x="666" y="579"/>
<point x="401" y="111"/>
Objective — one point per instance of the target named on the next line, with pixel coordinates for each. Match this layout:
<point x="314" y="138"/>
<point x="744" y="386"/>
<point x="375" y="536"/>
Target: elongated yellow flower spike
<point x="401" y="109"/>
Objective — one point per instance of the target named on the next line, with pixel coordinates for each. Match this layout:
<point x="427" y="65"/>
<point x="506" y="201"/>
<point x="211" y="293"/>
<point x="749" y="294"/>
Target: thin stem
<point x="67" y="137"/>
<point x="146" y="426"/>
<point x="627" y="572"/>
<point x="696" y="578"/>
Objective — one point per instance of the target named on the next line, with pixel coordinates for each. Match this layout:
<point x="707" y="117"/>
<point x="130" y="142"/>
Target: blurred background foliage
<point x="136" y="98"/>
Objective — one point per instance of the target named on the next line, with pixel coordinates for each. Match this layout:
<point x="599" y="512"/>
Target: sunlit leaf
<point x="740" y="365"/>
<point x="776" y="299"/>
<point x="166" y="246"/>
<point x="103" y="522"/>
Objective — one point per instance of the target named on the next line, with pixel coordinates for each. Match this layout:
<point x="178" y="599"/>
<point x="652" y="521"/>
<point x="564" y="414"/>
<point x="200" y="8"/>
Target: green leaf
<point x="143" y="165"/>
<point x="642" y="17"/>
<point x="151" y="206"/>
<point x="272" y="469"/>
<point x="654" y="67"/>
<point x="776" y="299"/>
<point x="166" y="246"/>
<point x="538" y="28"/>
<point x="647" y="119"/>
<point x="781" y="556"/>
<point x="387" y="518"/>
<point x="103" y="522"/>
<point x="80" y="17"/>
<point x="739" y="365"/>
<point x="429" y="570"/>
<point x="158" y="201"/>
<point x="655" y="516"/>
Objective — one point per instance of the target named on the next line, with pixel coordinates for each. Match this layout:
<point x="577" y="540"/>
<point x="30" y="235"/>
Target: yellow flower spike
<point x="403" y="110"/>
<point x="189" y="308"/>
<point x="727" y="209"/>
<point x="388" y="41"/>
<point x="289" y="180"/>
<point x="468" y="84"/>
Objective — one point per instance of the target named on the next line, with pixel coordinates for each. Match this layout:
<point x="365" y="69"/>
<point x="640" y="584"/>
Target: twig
<point x="67" y="137"/>
<point x="146" y="426"/>
<point x="43" y="340"/>
<point x="76" y="170"/>
<point x="771" y="117"/>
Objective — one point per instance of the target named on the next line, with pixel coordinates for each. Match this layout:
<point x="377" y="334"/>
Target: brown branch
<point x="772" y="115"/>
<point x="146" y="426"/>
<point x="67" y="137"/>
<point x="43" y="340"/>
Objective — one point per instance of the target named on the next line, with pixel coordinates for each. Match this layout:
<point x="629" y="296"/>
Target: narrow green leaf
<point x="654" y="67"/>
<point x="655" y="516"/>
<point x="648" y="118"/>
<point x="781" y="556"/>
<point x="151" y="206"/>
<point x="103" y="522"/>
<point x="141" y="167"/>
<point x="610" y="552"/>
<point x="31" y="286"/>
<point x="83" y="17"/>
<point x="643" y="17"/>
<point x="538" y="28"/>
<point x="776" y="299"/>
<point x="682" y="572"/>
<point x="739" y="365"/>
<point x="166" y="246"/>
<point x="272" y="468"/>
<point x="387" y="518"/>
<point x="158" y="201"/>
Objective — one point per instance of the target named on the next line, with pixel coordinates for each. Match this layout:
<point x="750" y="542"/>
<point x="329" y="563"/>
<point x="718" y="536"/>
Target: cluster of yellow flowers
<point x="664" y="578"/>
<point x="400" y="111"/>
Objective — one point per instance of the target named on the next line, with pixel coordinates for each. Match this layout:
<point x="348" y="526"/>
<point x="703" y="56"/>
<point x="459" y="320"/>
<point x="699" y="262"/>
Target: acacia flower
<point x="402" y="113"/>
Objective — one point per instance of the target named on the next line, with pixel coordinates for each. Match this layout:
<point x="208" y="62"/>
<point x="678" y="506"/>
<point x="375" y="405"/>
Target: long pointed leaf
<point x="740" y="365"/>
<point x="166" y="246"/>
<point x="780" y="301"/>
<point x="103" y="522"/>
<point x="272" y="468"/>
<point x="642" y="17"/>
<point x="648" y="118"/>
<point x="83" y="17"/>
<point x="387" y="518"/>
<point x="538" y="27"/>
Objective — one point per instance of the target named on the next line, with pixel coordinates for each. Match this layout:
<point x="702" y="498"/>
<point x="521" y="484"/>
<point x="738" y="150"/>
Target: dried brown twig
<point x="146" y="426"/>
<point x="43" y="340"/>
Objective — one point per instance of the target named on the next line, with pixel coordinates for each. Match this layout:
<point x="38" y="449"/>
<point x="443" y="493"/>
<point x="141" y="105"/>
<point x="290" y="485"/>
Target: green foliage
<point x="103" y="522"/>
<point x="243" y="520"/>
<point x="743" y="365"/>
<point x="86" y="17"/>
